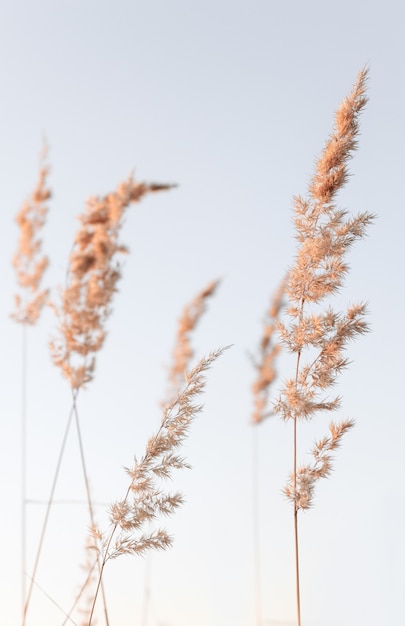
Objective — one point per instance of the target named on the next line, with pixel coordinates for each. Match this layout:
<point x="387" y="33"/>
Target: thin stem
<point x="106" y="548"/>
<point x="104" y="561"/>
<point x="146" y="591"/>
<point x="46" y="594"/>
<point x="297" y="569"/>
<point x="89" y="500"/>
<point x="23" y="465"/>
<point x="48" y="510"/>
<point x="66" y="502"/>
<point x="296" y="544"/>
<point x="79" y="595"/>
<point x="256" y="525"/>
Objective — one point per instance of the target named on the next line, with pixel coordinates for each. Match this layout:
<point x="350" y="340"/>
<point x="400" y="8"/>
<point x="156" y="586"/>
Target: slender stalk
<point x="89" y="500"/>
<point x="159" y="460"/>
<point x="297" y="568"/>
<point x="104" y="561"/>
<point x="23" y="465"/>
<point x="80" y="593"/>
<point x="256" y="526"/>
<point x="48" y="510"/>
<point x="296" y="543"/>
<point x="46" y="594"/>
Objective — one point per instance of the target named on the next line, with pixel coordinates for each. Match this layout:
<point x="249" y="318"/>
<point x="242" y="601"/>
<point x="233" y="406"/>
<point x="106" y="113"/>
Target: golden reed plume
<point x="265" y="365"/>
<point x="92" y="280"/>
<point x="325" y="234"/>
<point x="183" y="352"/>
<point x="29" y="262"/>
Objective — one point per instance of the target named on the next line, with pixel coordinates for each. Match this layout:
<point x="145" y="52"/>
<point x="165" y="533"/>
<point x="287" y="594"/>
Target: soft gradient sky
<point x="233" y="101"/>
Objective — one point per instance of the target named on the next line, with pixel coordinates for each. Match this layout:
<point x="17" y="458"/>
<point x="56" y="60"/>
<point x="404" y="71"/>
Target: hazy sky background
<point x="232" y="101"/>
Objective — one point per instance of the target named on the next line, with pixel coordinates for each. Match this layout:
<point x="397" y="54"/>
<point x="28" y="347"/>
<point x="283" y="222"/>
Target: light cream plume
<point x="183" y="352"/>
<point x="29" y="262"/>
<point x="325" y="234"/>
<point x="265" y="364"/>
<point x="92" y="280"/>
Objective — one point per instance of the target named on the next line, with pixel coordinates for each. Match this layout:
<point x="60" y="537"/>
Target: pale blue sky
<point x="232" y="101"/>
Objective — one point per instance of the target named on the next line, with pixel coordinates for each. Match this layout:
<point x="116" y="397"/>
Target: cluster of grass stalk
<point x="300" y="321"/>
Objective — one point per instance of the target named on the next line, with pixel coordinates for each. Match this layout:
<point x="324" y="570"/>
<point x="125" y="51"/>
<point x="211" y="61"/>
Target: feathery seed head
<point x="183" y="352"/>
<point x="92" y="281"/>
<point x="269" y="350"/>
<point x="28" y="261"/>
<point x="325" y="234"/>
<point x="145" y="500"/>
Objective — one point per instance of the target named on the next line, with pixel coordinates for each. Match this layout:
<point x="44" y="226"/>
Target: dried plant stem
<point x="23" y="463"/>
<point x="29" y="264"/>
<point x="80" y="593"/>
<point x="46" y="594"/>
<point x="325" y="234"/>
<point x="144" y="500"/>
<point x="296" y="544"/>
<point x="106" y="554"/>
<point x="256" y="526"/>
<point x="100" y="578"/>
<point x="48" y="510"/>
<point x="297" y="568"/>
<point x="88" y="493"/>
<point x="295" y="508"/>
<point x="73" y="414"/>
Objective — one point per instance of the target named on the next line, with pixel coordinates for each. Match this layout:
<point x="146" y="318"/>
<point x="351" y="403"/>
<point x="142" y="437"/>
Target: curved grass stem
<point x="47" y="514"/>
<point x="89" y="499"/>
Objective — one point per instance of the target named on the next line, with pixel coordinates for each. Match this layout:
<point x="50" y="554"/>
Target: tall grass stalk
<point x="256" y="527"/>
<point x="46" y="518"/>
<point x="89" y="498"/>
<point x="325" y="234"/>
<point x="145" y="501"/>
<point x="23" y="503"/>
<point x="29" y="264"/>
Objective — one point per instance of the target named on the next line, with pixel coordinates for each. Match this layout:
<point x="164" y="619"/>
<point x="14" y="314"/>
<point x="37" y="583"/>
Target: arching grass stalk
<point x="145" y="501"/>
<point x="182" y="355"/>
<point x="46" y="518"/>
<point x="318" y="337"/>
